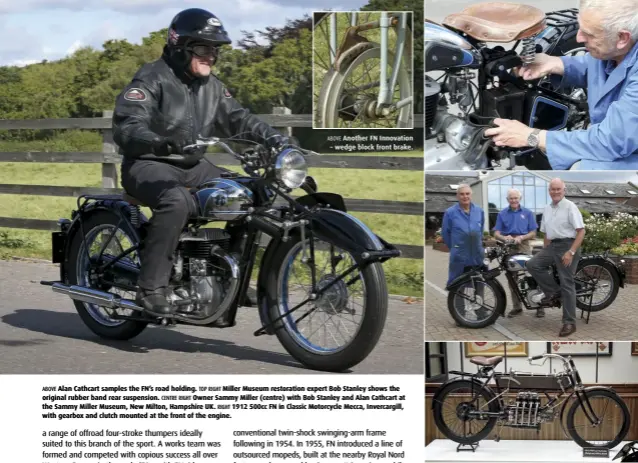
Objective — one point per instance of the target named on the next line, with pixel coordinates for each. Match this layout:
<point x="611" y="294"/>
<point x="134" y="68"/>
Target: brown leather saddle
<point x="485" y="361"/>
<point x="498" y="22"/>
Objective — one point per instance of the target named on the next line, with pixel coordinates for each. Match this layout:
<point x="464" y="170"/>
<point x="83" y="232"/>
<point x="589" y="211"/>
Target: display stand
<point x="520" y="451"/>
<point x="472" y="447"/>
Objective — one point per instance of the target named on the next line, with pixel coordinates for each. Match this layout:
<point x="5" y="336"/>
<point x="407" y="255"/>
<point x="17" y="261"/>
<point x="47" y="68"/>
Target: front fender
<point x="467" y="276"/>
<point x="334" y="226"/>
<point x="585" y="390"/>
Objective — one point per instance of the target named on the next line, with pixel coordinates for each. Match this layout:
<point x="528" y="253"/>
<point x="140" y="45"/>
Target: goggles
<point x="204" y="51"/>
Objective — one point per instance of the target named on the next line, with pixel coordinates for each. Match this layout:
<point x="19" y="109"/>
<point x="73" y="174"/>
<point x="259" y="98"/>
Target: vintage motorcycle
<point x="320" y="261"/>
<point x="467" y="409"/>
<point x="459" y="49"/>
<point x="476" y="298"/>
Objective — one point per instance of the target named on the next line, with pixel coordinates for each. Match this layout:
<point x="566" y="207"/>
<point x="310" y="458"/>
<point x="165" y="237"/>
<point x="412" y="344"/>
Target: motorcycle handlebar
<point x="217" y="141"/>
<point x="548" y="356"/>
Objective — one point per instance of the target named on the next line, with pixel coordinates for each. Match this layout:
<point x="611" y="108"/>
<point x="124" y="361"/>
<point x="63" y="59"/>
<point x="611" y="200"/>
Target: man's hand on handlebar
<point x="165" y="146"/>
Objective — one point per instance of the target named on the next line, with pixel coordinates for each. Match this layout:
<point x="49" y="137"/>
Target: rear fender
<point x="121" y="209"/>
<point x="619" y="269"/>
<point x="476" y="383"/>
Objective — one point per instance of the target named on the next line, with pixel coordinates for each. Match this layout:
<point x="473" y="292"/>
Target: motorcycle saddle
<point x="486" y="362"/>
<point x="498" y="22"/>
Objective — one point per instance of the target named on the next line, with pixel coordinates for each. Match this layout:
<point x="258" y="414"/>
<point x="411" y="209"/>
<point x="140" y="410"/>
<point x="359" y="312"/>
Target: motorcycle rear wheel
<point x="451" y="407"/>
<point x="585" y="440"/>
<point x="608" y="270"/>
<point x="334" y="302"/>
<point x="90" y="314"/>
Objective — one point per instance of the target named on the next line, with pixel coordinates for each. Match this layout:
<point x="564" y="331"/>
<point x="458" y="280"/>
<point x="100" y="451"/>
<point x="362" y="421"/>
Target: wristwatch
<point x="533" y="139"/>
<point x="573" y="253"/>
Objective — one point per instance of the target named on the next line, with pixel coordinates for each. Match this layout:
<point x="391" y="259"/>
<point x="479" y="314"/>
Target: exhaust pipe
<point x="93" y="296"/>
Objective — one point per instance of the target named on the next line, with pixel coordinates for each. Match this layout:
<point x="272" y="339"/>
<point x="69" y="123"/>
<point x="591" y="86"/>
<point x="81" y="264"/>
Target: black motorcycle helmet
<point x="194" y="31"/>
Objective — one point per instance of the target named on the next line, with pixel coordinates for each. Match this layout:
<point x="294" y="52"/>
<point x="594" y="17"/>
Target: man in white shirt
<point x="564" y="231"/>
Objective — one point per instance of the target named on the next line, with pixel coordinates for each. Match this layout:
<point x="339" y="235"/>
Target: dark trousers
<point x="165" y="189"/>
<point x="539" y="265"/>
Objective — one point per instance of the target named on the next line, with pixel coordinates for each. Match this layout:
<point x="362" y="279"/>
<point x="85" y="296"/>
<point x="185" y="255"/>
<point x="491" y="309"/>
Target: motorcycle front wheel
<point x="455" y="412"/>
<point x="599" y="278"/>
<point x="342" y="326"/>
<point x="612" y="415"/>
<point x="476" y="305"/>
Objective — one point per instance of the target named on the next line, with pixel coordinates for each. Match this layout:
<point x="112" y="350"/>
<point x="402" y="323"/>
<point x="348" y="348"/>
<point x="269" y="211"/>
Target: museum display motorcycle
<point x="461" y="50"/>
<point x="476" y="298"/>
<point x="320" y="262"/>
<point x="467" y="409"/>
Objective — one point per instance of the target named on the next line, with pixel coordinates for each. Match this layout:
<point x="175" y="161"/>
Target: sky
<point x="35" y="30"/>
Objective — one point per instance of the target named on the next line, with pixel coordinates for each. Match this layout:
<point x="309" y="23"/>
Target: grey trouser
<point x="539" y="266"/>
<point x="523" y="248"/>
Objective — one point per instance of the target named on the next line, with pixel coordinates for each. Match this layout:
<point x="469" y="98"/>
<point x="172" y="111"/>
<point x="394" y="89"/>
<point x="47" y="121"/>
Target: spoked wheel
<point x="599" y="279"/>
<point x="107" y="238"/>
<point x="610" y="417"/>
<point x="457" y="412"/>
<point x="476" y="305"/>
<point x="338" y="329"/>
<point x="346" y="87"/>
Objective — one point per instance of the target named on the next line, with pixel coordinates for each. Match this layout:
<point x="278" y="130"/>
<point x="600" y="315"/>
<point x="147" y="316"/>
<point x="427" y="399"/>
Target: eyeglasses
<point x="204" y="51"/>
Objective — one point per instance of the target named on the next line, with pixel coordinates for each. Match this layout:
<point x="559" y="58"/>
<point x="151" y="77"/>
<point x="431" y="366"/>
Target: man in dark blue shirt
<point x="518" y="224"/>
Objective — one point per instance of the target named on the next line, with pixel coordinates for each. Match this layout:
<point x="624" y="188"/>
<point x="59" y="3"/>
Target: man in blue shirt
<point x="518" y="224"/>
<point x="609" y="71"/>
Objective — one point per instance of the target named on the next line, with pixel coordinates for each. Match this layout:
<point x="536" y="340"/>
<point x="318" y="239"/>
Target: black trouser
<point x="165" y="189"/>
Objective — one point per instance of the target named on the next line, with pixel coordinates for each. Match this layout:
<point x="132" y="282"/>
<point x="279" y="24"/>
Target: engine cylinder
<point x="200" y="246"/>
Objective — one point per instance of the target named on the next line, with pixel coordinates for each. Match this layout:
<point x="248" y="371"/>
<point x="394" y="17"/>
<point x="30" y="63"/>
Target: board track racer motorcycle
<point x="466" y="409"/>
<point x="320" y="288"/>
<point x="476" y="298"/>
<point x="478" y="76"/>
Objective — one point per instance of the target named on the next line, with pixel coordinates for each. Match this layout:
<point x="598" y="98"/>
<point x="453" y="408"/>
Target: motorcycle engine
<point x="529" y="287"/>
<point x="201" y="274"/>
<point x="452" y="143"/>
<point x="524" y="413"/>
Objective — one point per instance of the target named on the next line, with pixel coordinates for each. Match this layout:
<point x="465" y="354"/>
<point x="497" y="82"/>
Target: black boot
<point x="154" y="302"/>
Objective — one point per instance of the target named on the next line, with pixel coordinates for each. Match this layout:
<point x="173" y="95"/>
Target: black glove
<point x="278" y="142"/>
<point x="165" y="146"/>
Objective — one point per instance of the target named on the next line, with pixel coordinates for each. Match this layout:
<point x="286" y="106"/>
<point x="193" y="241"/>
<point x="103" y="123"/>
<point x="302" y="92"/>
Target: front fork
<point x="587" y="408"/>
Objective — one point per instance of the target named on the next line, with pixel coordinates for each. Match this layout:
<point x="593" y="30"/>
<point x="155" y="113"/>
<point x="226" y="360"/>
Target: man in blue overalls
<point x="609" y="72"/>
<point x="518" y="224"/>
<point x="462" y="232"/>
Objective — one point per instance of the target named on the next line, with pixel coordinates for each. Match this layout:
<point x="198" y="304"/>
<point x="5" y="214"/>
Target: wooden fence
<point x="110" y="160"/>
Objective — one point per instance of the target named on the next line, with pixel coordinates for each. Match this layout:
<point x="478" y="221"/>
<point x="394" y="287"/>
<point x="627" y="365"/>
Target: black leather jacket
<point x="162" y="100"/>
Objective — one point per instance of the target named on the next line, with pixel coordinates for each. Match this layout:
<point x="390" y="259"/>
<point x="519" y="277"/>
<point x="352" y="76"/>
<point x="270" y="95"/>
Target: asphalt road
<point x="40" y="332"/>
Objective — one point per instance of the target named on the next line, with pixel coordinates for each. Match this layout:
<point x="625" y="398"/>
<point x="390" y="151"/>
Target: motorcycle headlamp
<point x="291" y="168"/>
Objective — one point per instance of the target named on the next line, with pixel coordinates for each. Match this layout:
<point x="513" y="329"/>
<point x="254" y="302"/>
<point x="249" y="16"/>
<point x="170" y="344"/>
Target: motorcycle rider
<point x="609" y="72"/>
<point x="519" y="224"/>
<point x="564" y="231"/>
<point x="462" y="232"/>
<point x="166" y="106"/>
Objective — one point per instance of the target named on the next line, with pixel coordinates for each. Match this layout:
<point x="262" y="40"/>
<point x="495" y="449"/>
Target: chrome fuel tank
<point x="517" y="262"/>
